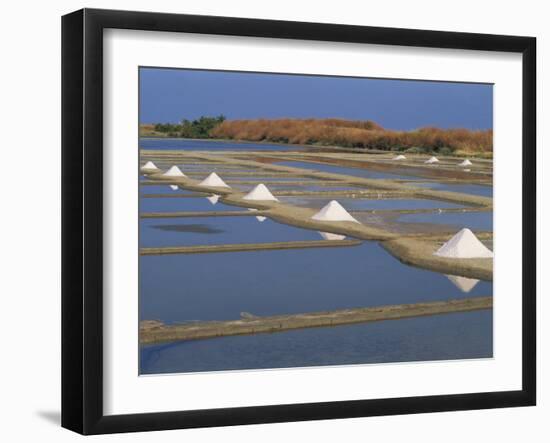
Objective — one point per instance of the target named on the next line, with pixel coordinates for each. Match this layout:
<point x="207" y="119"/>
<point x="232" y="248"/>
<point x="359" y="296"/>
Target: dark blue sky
<point x="169" y="95"/>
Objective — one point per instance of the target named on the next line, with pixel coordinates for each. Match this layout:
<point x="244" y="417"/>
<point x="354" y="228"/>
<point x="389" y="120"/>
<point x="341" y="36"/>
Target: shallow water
<point x="267" y="179"/>
<point x="439" y="337"/>
<point x="182" y="204"/>
<point x="485" y="191"/>
<point x="218" y="230"/>
<point x="207" y="169"/>
<point x="473" y="220"/>
<point x="219" y="286"/>
<point x="357" y="204"/>
<point x="162" y="189"/>
<point x="203" y="145"/>
<point x="356" y="172"/>
<point x="313" y="188"/>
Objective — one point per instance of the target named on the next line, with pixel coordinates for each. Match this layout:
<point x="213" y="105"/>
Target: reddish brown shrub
<point x="351" y="133"/>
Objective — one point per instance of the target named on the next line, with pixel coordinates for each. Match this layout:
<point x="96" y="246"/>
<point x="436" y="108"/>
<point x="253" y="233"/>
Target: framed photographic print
<point x="269" y="221"/>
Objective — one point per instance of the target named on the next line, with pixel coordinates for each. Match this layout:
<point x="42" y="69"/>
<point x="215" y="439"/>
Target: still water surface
<point x="472" y="220"/>
<point x="358" y="204"/>
<point x="203" y="145"/>
<point x="219" y="286"/>
<point x="356" y="172"/>
<point x="440" y="337"/>
<point x="485" y="191"/>
<point x="189" y="231"/>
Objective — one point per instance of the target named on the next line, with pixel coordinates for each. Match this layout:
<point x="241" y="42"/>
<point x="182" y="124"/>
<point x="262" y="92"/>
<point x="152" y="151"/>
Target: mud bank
<point x="156" y="332"/>
<point x="245" y="247"/>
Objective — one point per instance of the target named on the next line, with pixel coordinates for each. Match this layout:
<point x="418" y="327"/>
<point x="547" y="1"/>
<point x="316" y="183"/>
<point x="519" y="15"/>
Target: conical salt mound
<point x="214" y="180"/>
<point x="174" y="187"/>
<point x="149" y="166"/>
<point x="464" y="244"/>
<point x="432" y="160"/>
<point x="260" y="192"/>
<point x="331" y="236"/>
<point x="465" y="163"/>
<point x="261" y="218"/>
<point x="333" y="211"/>
<point x="399" y="157"/>
<point x="213" y="199"/>
<point x="174" y="171"/>
<point x="463" y="283"/>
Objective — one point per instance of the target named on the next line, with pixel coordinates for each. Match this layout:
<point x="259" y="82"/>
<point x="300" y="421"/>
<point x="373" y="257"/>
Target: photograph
<point x="301" y="220"/>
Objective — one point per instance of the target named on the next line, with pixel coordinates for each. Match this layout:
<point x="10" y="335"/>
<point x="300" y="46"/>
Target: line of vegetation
<point x="336" y="132"/>
<point x="199" y="128"/>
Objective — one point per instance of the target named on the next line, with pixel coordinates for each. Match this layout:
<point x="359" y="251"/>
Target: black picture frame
<point x="82" y="219"/>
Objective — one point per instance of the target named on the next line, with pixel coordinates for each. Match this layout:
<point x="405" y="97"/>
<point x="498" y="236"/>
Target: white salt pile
<point x="463" y="283"/>
<point x="214" y="180"/>
<point x="213" y="198"/>
<point x="260" y="192"/>
<point x="174" y="187"/>
<point x="432" y="160"/>
<point x="465" y="163"/>
<point x="331" y="236"/>
<point x="174" y="171"/>
<point x="333" y="211"/>
<point x="399" y="157"/>
<point x="149" y="166"/>
<point x="464" y="244"/>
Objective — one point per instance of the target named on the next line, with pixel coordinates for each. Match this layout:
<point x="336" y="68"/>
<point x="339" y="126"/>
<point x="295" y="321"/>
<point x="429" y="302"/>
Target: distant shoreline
<point x="332" y="133"/>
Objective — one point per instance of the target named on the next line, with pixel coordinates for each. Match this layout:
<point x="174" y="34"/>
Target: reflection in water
<point x="331" y="236"/>
<point x="463" y="283"/>
<point x="284" y="282"/>
<point x="174" y="187"/>
<point x="278" y="282"/>
<point x="222" y="230"/>
<point x="213" y="198"/>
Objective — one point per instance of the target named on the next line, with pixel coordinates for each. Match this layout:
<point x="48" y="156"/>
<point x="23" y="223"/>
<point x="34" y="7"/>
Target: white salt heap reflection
<point x="399" y="157"/>
<point x="464" y="244"/>
<point x="463" y="283"/>
<point x="260" y="192"/>
<point x="213" y="199"/>
<point x="331" y="236"/>
<point x="214" y="180"/>
<point x="174" y="171"/>
<point x="174" y="187"/>
<point x="333" y="211"/>
<point x="260" y="218"/>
